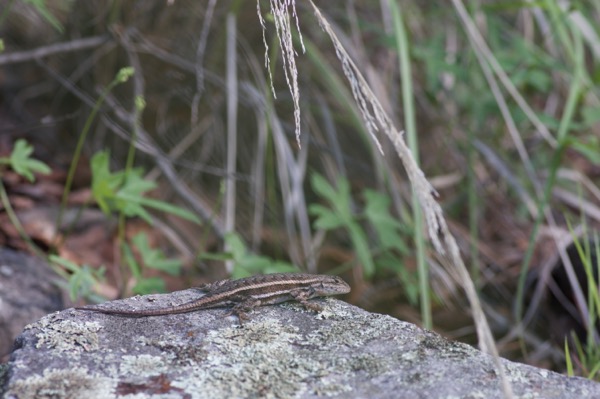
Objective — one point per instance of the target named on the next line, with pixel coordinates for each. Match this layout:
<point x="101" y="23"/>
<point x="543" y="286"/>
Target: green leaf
<point x="386" y="226"/>
<point x="256" y="264"/>
<point x="322" y="187"/>
<point x="104" y="183"/>
<point x="130" y="195"/>
<point x="81" y="282"/>
<point x="236" y="246"/>
<point x="125" y="192"/>
<point x="326" y="219"/>
<point x="247" y="264"/>
<point x="170" y="266"/>
<point x="239" y="272"/>
<point x="149" y="285"/>
<point x="22" y="164"/>
<point x="82" y="278"/>
<point x="155" y="258"/>
<point x="339" y="213"/>
<point x="282" y="267"/>
<point x="253" y="264"/>
<point x="338" y="198"/>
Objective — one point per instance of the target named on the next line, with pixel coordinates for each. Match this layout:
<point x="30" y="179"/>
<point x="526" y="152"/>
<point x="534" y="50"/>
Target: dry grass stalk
<point x="281" y="14"/>
<point x="375" y="116"/>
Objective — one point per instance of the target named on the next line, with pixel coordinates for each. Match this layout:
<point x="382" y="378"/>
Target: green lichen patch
<point x="66" y="335"/>
<point x="64" y="384"/>
<point x="144" y="365"/>
<point x="264" y="359"/>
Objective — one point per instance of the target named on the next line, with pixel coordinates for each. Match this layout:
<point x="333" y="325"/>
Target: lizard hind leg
<point x="241" y="309"/>
<point x="302" y="296"/>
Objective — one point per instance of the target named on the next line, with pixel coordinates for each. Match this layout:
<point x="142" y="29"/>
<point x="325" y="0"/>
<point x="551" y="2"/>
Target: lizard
<point x="245" y="294"/>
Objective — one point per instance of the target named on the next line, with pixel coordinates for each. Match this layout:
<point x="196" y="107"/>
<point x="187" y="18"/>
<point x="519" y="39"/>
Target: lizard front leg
<point x="302" y="295"/>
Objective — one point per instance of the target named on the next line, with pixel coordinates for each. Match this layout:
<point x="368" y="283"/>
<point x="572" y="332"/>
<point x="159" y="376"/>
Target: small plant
<point x="21" y="162"/>
<point x="124" y="192"/>
<point x="588" y="352"/>
<point x="82" y="278"/>
<point x="382" y="250"/>
<point x="151" y="258"/>
<point x="245" y="263"/>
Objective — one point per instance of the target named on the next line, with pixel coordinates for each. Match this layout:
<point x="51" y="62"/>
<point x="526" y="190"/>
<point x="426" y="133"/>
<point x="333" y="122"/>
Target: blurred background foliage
<point x="503" y="95"/>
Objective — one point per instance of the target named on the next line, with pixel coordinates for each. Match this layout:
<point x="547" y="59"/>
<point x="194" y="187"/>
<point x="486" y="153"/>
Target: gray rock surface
<point x="29" y="289"/>
<point x="283" y="351"/>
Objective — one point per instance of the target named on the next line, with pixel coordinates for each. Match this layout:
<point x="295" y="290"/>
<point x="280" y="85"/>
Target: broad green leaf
<point x="149" y="285"/>
<point x="104" y="183"/>
<point x="81" y="282"/>
<point x="248" y="264"/>
<point x="99" y="165"/>
<point x="326" y="218"/>
<point x="131" y="207"/>
<point x="135" y="185"/>
<point x="131" y="193"/>
<point x="125" y="192"/>
<point x="323" y="188"/>
<point x="338" y="197"/>
<point x="23" y="164"/>
<point x="82" y="278"/>
<point x="338" y="214"/>
<point x="386" y="226"/>
<point x="155" y="258"/>
<point x="171" y="266"/>
<point x="254" y="264"/>
<point x="235" y="245"/>
<point x="239" y="272"/>
<point x="282" y="267"/>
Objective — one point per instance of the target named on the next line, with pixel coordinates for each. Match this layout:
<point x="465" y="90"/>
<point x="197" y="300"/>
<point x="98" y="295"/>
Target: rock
<point x="283" y="351"/>
<point x="29" y="289"/>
